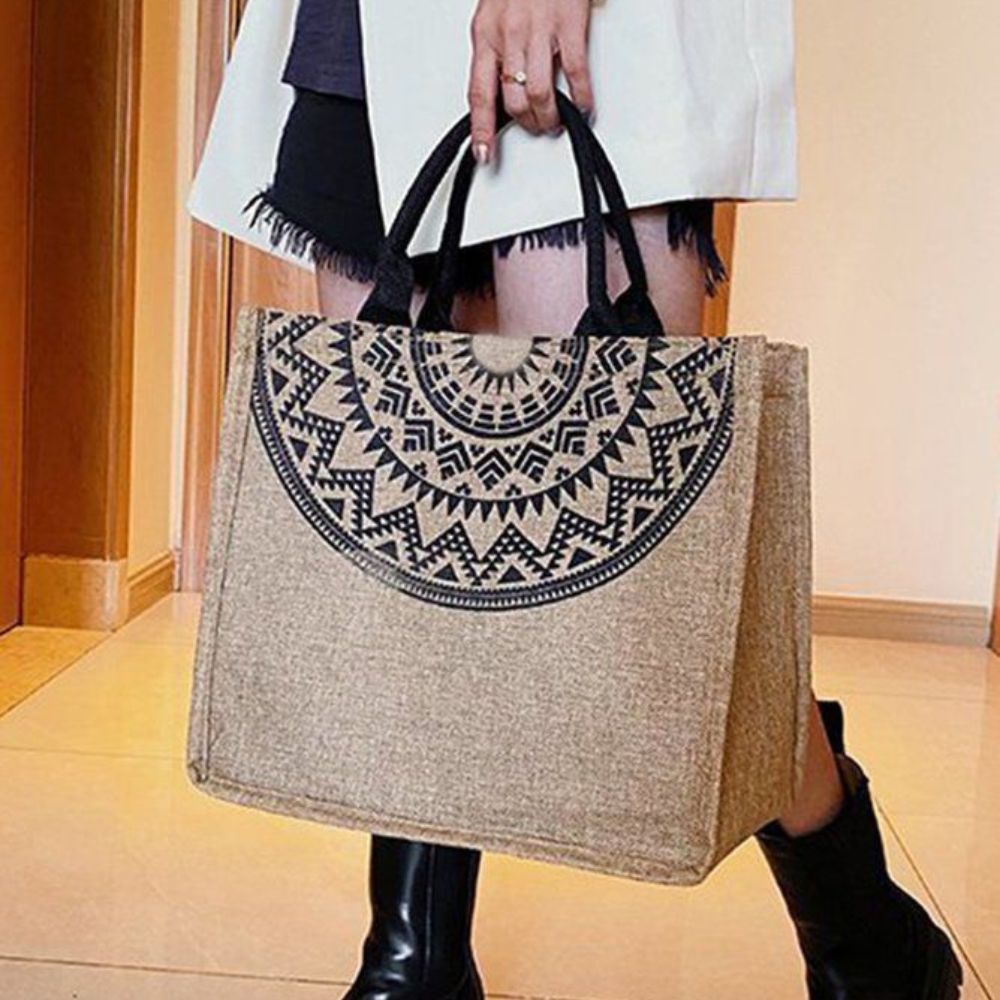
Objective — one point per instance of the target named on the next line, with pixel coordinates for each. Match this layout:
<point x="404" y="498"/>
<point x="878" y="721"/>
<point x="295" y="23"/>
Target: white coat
<point x="695" y="98"/>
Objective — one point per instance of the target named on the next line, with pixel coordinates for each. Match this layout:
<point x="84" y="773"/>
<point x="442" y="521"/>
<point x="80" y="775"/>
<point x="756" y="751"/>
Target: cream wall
<point x="162" y="278"/>
<point x="886" y="268"/>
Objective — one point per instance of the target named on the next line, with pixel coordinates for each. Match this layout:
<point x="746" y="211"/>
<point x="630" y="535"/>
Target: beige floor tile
<point x="31" y="656"/>
<point x="872" y="666"/>
<point x="118" y="861"/>
<point x="960" y="860"/>
<point x="172" y="619"/>
<point x="122" y="697"/>
<point x="552" y="931"/>
<point x="563" y="933"/>
<point x="52" y="981"/>
<point x="928" y="756"/>
<point x="110" y="856"/>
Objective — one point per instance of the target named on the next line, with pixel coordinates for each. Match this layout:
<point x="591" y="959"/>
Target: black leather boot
<point x="862" y="936"/>
<point x="419" y="944"/>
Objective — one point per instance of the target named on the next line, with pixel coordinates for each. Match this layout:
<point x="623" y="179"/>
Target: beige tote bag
<point x="543" y="595"/>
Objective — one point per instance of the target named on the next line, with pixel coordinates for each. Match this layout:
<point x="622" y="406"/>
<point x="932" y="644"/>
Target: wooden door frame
<point x="15" y="118"/>
<point x="210" y="316"/>
<point x="80" y="312"/>
<point x="213" y="281"/>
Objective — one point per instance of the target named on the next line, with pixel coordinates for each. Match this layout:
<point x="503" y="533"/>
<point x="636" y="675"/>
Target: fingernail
<point x="481" y="151"/>
<point x="588" y="115"/>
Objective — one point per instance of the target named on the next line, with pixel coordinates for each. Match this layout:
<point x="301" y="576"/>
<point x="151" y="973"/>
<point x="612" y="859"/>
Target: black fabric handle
<point x="635" y="312"/>
<point x="389" y="300"/>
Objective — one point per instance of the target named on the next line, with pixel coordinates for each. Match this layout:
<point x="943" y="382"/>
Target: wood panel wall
<point x="15" y="66"/>
<point x="210" y="316"/>
<point x="80" y="310"/>
<point x="224" y="276"/>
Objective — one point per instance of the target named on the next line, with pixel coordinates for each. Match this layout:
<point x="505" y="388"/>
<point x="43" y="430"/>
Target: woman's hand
<point x="521" y="41"/>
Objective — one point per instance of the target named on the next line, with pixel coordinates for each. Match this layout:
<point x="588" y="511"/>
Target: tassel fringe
<point x="561" y="235"/>
<point x="474" y="276"/>
<point x="296" y="239"/>
<point x="688" y="223"/>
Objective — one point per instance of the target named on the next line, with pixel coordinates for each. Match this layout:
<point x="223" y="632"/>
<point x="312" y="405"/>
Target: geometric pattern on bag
<point x="486" y="472"/>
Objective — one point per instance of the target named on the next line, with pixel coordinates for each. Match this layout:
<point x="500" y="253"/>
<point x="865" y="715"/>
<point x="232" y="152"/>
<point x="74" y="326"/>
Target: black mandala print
<point x="487" y="472"/>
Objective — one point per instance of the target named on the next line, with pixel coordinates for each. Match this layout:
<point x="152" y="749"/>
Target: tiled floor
<point x="118" y="880"/>
<point x="31" y="656"/>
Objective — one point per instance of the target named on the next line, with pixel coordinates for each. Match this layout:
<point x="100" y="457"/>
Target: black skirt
<point x="323" y="203"/>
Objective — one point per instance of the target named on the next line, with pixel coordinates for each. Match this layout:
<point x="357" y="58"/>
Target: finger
<point x="539" y="88"/>
<point x="482" y="100"/>
<point x="576" y="67"/>
<point x="515" y="32"/>
<point x="515" y="95"/>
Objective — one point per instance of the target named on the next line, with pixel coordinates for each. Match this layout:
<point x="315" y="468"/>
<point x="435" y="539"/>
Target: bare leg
<point x="822" y="793"/>
<point x="541" y="291"/>
<point x="341" y="298"/>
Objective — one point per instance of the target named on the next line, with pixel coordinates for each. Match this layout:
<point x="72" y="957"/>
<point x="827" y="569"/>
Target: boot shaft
<point x="422" y="900"/>
<point x="860" y="934"/>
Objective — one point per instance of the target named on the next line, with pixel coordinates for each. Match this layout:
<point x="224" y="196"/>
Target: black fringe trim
<point x="688" y="223"/>
<point x="560" y="235"/>
<point x="297" y="239"/>
<point x="475" y="276"/>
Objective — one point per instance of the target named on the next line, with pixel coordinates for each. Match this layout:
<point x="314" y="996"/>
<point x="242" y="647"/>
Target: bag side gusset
<point x="225" y="490"/>
<point x="769" y="702"/>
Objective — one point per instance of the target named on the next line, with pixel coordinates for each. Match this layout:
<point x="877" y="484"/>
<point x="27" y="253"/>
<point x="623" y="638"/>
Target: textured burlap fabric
<point x="547" y="597"/>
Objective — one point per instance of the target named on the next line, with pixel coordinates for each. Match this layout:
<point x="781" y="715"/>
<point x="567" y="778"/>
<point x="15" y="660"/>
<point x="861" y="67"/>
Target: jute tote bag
<point x="546" y="596"/>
